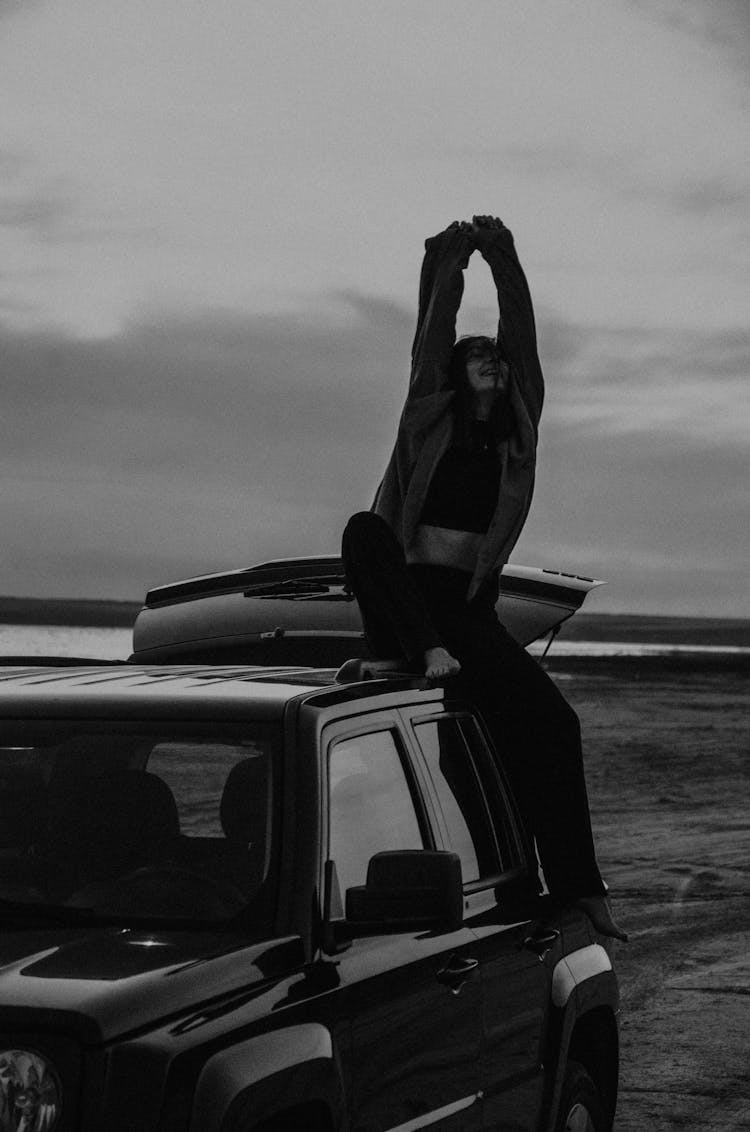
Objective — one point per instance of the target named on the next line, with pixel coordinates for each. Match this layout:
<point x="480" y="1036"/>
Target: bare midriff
<point x="442" y="546"/>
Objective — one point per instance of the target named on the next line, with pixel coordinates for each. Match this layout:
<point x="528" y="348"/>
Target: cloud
<point x="219" y="167"/>
<point x="643" y="465"/>
<point x="12" y="163"/>
<point x="195" y="439"/>
<point x="237" y="378"/>
<point x="53" y="212"/>
<point x="660" y="516"/>
<point x="724" y="24"/>
<point x="43" y="212"/>
<point x="620" y="171"/>
<point x="242" y="385"/>
<point x="12" y="306"/>
<point x="617" y="380"/>
<point x="703" y="197"/>
<point x="14" y="7"/>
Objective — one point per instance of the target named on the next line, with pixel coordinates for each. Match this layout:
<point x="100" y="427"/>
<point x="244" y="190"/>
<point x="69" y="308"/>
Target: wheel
<point x="581" y="1108"/>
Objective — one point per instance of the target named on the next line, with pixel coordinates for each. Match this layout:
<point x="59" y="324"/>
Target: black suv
<point x="238" y="899"/>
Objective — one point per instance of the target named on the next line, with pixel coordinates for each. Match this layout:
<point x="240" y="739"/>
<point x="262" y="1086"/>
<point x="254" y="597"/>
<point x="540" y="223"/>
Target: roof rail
<point x="357" y="669"/>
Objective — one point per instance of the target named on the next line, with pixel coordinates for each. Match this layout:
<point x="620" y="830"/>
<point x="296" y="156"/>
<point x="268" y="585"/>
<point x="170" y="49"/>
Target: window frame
<point x="353" y="728"/>
<point x="497" y="802"/>
<point x="499" y="797"/>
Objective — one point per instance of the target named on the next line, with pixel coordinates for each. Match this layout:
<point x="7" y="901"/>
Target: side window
<point x="371" y="807"/>
<point x="459" y="795"/>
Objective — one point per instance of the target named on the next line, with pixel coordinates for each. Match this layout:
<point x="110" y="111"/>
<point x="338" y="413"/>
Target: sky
<point x="212" y="220"/>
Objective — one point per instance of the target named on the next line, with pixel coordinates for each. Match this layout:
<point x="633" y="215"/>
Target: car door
<point x="415" y="1013"/>
<point x="477" y="822"/>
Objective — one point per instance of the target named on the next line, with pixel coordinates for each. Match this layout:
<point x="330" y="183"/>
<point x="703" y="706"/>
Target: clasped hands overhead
<point x="477" y="233"/>
<point x="477" y="224"/>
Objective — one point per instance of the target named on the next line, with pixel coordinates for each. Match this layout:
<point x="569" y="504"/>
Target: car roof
<point x="194" y="691"/>
<point x="151" y="688"/>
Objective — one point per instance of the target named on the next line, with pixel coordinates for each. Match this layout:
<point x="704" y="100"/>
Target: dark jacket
<point x="427" y="422"/>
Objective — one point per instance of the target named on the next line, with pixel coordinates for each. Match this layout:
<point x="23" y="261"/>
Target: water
<point x="116" y="644"/>
<point x="634" y="648"/>
<point x="65" y="640"/>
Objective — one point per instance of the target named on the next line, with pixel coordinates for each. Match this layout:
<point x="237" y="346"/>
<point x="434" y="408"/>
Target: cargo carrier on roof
<point x="299" y="610"/>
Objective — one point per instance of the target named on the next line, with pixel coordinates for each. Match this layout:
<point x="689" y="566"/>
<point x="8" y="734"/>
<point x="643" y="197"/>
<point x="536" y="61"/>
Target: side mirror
<point x="407" y="889"/>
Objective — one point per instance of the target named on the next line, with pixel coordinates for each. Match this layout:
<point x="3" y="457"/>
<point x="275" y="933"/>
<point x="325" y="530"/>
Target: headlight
<point x="30" y="1092"/>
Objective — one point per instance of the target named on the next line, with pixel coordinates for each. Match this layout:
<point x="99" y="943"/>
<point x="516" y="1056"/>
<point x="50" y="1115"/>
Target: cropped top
<point x="463" y="491"/>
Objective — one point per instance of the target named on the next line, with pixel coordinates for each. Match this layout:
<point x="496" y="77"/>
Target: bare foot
<point x="439" y="663"/>
<point x="598" y="911"/>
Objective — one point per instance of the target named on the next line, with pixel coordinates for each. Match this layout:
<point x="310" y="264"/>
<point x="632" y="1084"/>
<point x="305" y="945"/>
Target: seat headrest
<point x="127" y="808"/>
<point x="245" y="802"/>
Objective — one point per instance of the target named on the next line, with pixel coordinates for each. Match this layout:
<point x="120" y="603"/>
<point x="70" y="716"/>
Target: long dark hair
<point x="502" y="418"/>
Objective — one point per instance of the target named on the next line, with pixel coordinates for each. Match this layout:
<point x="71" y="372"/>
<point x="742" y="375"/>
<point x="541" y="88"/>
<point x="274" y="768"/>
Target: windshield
<point x="138" y="821"/>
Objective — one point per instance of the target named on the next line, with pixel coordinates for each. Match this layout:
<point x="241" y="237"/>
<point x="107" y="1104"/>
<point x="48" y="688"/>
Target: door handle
<point x="541" y="941"/>
<point x="457" y="970"/>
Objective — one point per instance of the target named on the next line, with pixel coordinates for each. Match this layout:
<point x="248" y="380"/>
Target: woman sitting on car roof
<point x="425" y="562"/>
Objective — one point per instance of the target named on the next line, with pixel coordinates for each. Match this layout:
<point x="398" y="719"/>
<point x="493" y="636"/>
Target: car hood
<point x="107" y="981"/>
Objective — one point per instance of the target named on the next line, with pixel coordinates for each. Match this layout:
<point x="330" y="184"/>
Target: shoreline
<point x="620" y="628"/>
<point x="666" y="665"/>
<point x="727" y="632"/>
<point x="72" y="612"/>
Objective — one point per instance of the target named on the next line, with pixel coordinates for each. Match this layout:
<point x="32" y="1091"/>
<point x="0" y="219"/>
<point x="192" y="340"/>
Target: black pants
<point x="407" y="609"/>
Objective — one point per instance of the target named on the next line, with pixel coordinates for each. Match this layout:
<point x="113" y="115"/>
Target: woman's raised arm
<point x="441" y="287"/>
<point x="517" y="329"/>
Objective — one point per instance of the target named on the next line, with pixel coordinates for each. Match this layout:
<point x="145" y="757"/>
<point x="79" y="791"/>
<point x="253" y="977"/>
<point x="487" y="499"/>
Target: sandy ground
<point x="667" y="756"/>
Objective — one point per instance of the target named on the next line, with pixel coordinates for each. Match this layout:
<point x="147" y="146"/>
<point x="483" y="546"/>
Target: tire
<point x="581" y="1108"/>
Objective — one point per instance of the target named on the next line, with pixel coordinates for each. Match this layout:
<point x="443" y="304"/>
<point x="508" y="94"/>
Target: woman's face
<point x="485" y="372"/>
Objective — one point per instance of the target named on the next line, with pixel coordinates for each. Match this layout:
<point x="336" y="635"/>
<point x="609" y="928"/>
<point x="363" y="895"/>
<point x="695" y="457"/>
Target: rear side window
<point x="459" y="796"/>
<point x="371" y="806"/>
